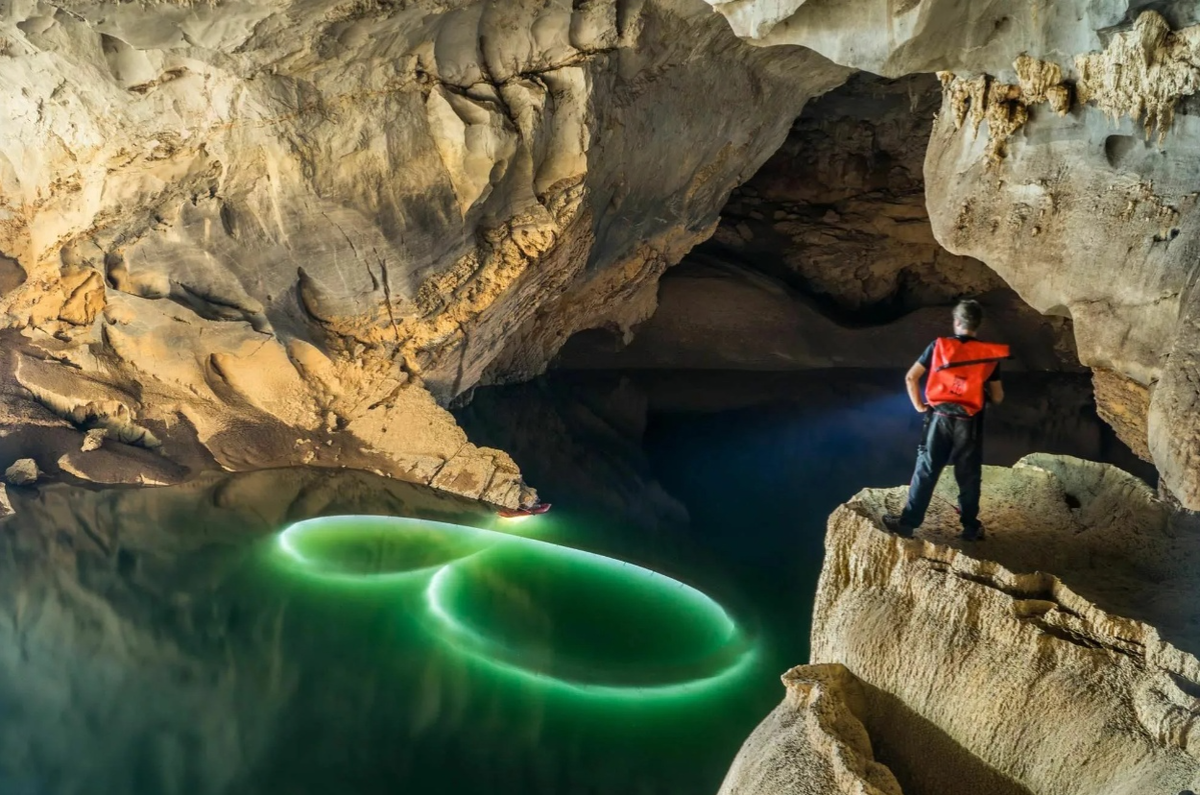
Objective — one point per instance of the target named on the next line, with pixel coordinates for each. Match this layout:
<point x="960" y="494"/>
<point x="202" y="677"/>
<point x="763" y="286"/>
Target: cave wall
<point x="826" y="257"/>
<point x="250" y="235"/>
<point x="839" y="210"/>
<point x="1064" y="156"/>
<point x="1056" y="657"/>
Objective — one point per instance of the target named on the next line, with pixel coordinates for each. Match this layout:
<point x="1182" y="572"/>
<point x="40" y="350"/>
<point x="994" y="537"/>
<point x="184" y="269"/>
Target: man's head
<point x="967" y="317"/>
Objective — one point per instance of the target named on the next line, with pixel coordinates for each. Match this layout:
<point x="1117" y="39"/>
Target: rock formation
<point x="1062" y="158"/>
<point x="717" y="316"/>
<point x="244" y="236"/>
<point x="818" y="732"/>
<point x="826" y="258"/>
<point x="839" y="210"/>
<point x="1015" y="679"/>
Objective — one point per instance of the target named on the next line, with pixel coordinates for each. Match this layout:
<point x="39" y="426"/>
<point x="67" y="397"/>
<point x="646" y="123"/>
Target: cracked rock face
<point x="249" y="235"/>
<point x="1056" y="657"/>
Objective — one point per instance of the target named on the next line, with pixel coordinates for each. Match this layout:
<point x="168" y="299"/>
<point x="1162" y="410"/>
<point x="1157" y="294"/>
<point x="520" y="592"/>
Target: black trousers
<point x="947" y="439"/>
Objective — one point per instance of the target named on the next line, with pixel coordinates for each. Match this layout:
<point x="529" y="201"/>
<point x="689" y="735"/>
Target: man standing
<point x="963" y="373"/>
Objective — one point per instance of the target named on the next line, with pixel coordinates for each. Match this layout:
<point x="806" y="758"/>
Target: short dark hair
<point x="969" y="314"/>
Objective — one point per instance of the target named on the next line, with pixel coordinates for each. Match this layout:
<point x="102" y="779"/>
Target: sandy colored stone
<point x="1124" y="404"/>
<point x="94" y="439"/>
<point x="813" y="743"/>
<point x="1061" y="158"/>
<point x="1056" y="657"/>
<point x="1110" y="245"/>
<point x="1143" y="73"/>
<point x="899" y="37"/>
<point x="233" y="222"/>
<point x="23" y="472"/>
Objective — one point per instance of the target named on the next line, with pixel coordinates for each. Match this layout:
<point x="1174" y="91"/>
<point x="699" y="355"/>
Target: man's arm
<point x="913" y="381"/>
<point x="996" y="391"/>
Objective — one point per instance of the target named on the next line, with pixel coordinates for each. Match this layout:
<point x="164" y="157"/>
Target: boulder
<point x="23" y="472"/>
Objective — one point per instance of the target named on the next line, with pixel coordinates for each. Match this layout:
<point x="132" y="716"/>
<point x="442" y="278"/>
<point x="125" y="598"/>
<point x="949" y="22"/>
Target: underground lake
<point x="316" y="631"/>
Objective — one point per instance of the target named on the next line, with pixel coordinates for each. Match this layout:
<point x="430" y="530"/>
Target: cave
<point x="497" y="397"/>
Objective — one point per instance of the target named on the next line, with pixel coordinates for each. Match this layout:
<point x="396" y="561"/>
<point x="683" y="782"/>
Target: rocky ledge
<point x="940" y="666"/>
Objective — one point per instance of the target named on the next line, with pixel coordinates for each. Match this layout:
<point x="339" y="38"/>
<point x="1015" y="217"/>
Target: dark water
<point x="164" y="641"/>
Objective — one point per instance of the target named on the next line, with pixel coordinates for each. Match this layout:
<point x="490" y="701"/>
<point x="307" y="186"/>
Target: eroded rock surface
<point x="1063" y="157"/>
<point x="899" y="37"/>
<point x="839" y="210"/>
<point x="1059" y="654"/>
<point x="1092" y="215"/>
<point x="813" y="743"/>
<point x="247" y="236"/>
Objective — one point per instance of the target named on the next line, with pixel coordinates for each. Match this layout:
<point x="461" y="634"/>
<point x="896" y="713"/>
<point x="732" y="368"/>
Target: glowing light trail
<point x="394" y="550"/>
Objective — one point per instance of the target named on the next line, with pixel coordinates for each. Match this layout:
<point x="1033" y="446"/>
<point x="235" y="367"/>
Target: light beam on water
<point x="535" y="612"/>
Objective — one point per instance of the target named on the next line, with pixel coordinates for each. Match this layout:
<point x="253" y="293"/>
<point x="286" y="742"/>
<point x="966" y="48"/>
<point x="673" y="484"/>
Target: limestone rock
<point x="94" y="439"/>
<point x="1143" y="73"/>
<point x="813" y="743"/>
<point x="231" y="222"/>
<point x="23" y="472"/>
<point x="1124" y="404"/>
<point x="899" y="37"/>
<point x="1088" y="216"/>
<point x="839" y="210"/>
<point x="1015" y="679"/>
<point x="1074" y="178"/>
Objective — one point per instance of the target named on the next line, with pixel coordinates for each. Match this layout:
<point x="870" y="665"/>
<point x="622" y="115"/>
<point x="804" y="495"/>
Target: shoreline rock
<point x="817" y="729"/>
<point x="984" y="673"/>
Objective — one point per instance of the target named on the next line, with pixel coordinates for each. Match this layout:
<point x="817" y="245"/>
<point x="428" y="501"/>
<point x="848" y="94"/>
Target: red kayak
<point x="512" y="513"/>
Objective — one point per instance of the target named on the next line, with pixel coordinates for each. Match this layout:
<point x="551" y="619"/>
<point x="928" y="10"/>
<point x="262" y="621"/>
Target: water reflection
<point x="574" y="621"/>
<point x="154" y="642"/>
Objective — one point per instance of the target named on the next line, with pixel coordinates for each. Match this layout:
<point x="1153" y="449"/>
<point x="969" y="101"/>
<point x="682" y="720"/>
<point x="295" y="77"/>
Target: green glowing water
<point x="558" y="618"/>
<point x="177" y="642"/>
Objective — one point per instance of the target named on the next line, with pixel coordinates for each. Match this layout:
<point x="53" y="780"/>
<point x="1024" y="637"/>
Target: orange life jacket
<point x="959" y="370"/>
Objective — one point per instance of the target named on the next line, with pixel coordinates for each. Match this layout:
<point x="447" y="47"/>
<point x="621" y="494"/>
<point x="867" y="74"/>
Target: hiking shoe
<point x="973" y="533"/>
<point x="893" y="524"/>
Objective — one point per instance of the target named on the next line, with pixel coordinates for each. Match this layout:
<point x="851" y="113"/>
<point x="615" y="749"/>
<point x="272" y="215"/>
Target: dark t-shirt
<point x="926" y="361"/>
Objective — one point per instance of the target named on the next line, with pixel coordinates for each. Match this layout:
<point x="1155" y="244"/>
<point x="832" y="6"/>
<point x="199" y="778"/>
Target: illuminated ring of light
<point x="291" y="536"/>
<point x="474" y="645"/>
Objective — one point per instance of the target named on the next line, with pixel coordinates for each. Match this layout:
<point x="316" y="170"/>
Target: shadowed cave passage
<point x="826" y="258"/>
